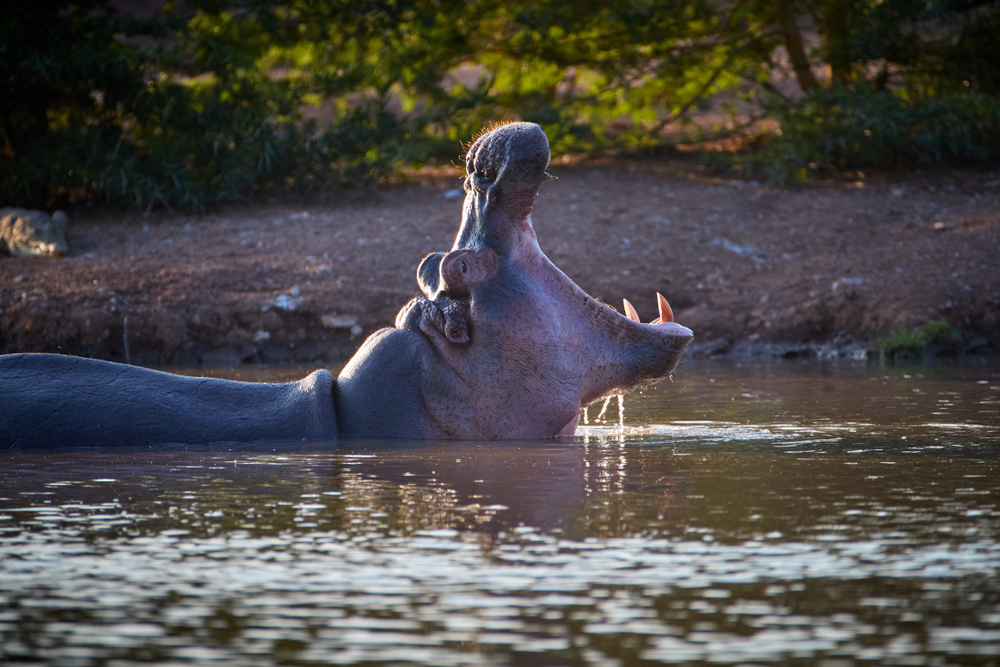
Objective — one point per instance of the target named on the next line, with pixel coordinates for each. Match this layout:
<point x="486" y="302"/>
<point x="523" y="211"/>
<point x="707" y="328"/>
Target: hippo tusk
<point x="630" y="311"/>
<point x="666" y="314"/>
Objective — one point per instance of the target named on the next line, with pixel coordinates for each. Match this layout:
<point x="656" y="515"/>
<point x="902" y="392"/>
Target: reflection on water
<point x="813" y="514"/>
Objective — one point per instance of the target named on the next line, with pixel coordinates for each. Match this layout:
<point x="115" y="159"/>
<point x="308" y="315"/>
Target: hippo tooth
<point x="666" y="314"/>
<point x="630" y="311"/>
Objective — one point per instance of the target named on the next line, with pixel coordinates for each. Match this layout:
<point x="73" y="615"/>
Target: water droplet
<point x="604" y="408"/>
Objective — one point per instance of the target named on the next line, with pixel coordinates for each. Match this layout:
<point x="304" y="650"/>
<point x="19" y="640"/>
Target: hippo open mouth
<point x="504" y="343"/>
<point x="501" y="345"/>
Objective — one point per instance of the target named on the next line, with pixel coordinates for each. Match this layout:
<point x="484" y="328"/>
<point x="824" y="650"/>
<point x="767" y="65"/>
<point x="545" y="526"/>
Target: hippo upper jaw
<point x="504" y="168"/>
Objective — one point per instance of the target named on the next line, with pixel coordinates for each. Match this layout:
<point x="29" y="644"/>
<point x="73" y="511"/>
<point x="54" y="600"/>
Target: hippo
<point x="500" y="345"/>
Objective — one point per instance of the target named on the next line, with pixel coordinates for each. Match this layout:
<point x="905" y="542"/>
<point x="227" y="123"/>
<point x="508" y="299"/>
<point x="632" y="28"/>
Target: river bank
<point x="753" y="269"/>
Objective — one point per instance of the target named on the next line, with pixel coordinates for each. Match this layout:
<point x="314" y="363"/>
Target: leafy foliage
<point x="860" y="127"/>
<point x="935" y="337"/>
<point x="905" y="82"/>
<point x="929" y="47"/>
<point x="66" y="83"/>
<point x="215" y="100"/>
<point x="196" y="122"/>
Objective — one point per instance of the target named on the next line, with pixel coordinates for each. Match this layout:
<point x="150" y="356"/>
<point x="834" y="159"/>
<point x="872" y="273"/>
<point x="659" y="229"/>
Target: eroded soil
<point x="751" y="268"/>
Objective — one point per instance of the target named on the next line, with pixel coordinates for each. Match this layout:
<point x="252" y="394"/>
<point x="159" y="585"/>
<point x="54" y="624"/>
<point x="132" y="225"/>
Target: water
<point x="793" y="513"/>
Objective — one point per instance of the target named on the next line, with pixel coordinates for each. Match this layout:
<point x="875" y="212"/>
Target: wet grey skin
<point x="502" y="345"/>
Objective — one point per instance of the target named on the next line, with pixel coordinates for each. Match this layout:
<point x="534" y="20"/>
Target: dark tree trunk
<point x="793" y="45"/>
<point x="838" y="47"/>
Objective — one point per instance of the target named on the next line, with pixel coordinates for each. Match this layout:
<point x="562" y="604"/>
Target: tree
<point x="927" y="47"/>
<point x="66" y="81"/>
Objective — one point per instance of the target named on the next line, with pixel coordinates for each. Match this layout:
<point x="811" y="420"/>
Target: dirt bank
<point x="751" y="268"/>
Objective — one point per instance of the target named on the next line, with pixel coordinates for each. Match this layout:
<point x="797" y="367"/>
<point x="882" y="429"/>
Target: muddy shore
<point x="753" y="269"/>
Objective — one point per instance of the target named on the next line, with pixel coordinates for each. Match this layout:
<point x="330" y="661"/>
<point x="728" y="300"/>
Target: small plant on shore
<point x="936" y="337"/>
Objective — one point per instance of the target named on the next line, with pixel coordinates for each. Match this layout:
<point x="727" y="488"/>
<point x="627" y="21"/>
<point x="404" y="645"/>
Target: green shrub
<point x="66" y="84"/>
<point x="855" y="128"/>
<point x="935" y="337"/>
<point x="88" y="115"/>
<point x="204" y="102"/>
<point x="213" y="109"/>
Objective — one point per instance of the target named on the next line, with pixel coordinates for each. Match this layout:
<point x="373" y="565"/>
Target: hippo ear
<point x="461" y="270"/>
<point x="60" y="220"/>
<point x="429" y="274"/>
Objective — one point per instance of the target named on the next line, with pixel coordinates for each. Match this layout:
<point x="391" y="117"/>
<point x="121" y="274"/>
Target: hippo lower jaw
<point x="623" y="353"/>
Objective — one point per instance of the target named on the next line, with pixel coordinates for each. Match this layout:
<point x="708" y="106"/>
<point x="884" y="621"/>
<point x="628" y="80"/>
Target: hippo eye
<point x="465" y="268"/>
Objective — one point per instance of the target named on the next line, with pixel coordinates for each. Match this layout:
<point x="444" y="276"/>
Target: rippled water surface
<point x="805" y="513"/>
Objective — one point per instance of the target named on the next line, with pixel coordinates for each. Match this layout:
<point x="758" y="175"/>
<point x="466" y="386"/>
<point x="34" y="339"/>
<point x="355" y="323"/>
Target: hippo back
<point x="55" y="401"/>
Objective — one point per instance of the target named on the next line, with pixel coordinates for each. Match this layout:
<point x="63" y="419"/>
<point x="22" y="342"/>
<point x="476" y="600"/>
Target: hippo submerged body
<point x="501" y="345"/>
